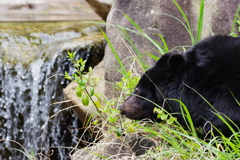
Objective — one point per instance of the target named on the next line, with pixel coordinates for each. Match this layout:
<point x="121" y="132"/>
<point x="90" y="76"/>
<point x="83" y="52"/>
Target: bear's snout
<point x="131" y="108"/>
<point x="120" y="107"/>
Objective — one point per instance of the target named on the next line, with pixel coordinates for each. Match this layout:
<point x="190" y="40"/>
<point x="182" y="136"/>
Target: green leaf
<point x="79" y="81"/>
<point x="82" y="68"/>
<point x="85" y="100"/>
<point x="171" y="120"/>
<point x="75" y="71"/>
<point x="130" y="128"/>
<point x="157" y="110"/>
<point x="95" y="122"/>
<point x="164" y="116"/>
<point x="97" y="103"/>
<point x="91" y="89"/>
<point x="80" y="61"/>
<point x="113" y="119"/>
<point x="70" y="55"/>
<point x="76" y="65"/>
<point x="90" y="69"/>
<point x="159" y="115"/>
<point x="83" y="82"/>
<point x="67" y="76"/>
<point x="74" y="54"/>
<point x="79" y="92"/>
<point x="119" y="132"/>
<point x="84" y="62"/>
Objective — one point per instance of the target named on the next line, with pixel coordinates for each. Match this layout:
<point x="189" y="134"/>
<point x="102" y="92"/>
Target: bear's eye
<point x="139" y="93"/>
<point x="136" y="91"/>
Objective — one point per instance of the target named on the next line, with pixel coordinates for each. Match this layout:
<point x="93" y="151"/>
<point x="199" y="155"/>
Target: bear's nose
<point x="120" y="107"/>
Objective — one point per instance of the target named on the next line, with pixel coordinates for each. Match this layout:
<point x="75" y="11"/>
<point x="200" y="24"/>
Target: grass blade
<point x="123" y="70"/>
<point x="164" y="43"/>
<point x="142" y="33"/>
<point x="200" y="21"/>
<point x="189" y="120"/>
<point x="186" y="20"/>
<point x="235" y="19"/>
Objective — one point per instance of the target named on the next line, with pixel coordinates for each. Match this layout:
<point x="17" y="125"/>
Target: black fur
<point x="210" y="68"/>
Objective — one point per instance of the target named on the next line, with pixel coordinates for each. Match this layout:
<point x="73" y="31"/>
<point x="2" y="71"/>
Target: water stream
<point x="31" y="68"/>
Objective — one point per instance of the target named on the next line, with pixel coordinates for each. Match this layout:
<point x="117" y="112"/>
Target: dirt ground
<point x="46" y="10"/>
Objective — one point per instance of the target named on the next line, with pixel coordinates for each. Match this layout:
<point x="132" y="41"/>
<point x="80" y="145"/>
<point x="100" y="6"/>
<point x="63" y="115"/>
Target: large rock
<point x="156" y="17"/>
<point x="101" y="7"/>
<point x="113" y="147"/>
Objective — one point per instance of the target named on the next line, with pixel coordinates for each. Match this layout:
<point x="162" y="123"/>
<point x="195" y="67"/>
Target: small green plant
<point x="86" y="85"/>
<point x="86" y="93"/>
<point x="163" y="116"/>
<point x="127" y="83"/>
<point x="236" y="21"/>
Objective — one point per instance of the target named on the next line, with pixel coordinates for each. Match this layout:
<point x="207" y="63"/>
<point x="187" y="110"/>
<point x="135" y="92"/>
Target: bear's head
<point x="149" y="92"/>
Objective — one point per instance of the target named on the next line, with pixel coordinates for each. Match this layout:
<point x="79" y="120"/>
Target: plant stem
<point x="86" y="91"/>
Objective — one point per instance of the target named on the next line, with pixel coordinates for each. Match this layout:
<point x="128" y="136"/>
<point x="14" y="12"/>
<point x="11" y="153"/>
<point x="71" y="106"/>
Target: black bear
<point x="203" y="77"/>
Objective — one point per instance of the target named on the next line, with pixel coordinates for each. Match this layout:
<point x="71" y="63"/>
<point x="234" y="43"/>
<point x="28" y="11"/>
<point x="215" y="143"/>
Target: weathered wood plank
<point x="46" y="10"/>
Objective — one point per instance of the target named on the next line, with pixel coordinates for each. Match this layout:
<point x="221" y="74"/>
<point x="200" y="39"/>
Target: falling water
<point x="31" y="80"/>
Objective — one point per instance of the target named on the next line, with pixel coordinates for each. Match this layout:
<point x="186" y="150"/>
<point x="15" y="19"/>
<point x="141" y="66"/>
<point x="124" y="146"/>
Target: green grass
<point x="200" y="20"/>
<point x="236" y="20"/>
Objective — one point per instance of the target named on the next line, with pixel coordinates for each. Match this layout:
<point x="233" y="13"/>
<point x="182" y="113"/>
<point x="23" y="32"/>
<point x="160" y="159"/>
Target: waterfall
<point x="31" y="80"/>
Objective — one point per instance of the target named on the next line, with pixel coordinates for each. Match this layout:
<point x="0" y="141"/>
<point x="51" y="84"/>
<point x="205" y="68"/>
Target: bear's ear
<point x="172" y="62"/>
<point x="176" y="62"/>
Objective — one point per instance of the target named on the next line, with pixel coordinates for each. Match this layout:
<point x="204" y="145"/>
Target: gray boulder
<point x="101" y="7"/>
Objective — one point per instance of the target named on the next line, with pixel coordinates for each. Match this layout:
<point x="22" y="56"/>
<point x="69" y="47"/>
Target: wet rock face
<point x="154" y="17"/>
